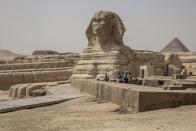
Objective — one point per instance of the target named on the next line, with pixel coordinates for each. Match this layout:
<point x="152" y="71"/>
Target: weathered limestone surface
<point x="27" y="90"/>
<point x="35" y="65"/>
<point x="188" y="59"/>
<point x="46" y="58"/>
<point x="141" y="58"/>
<point x="135" y="98"/>
<point x="44" y="52"/>
<point x="41" y="68"/>
<point x="58" y="93"/>
<point x="38" y="92"/>
<point x="175" y="46"/>
<point x="35" y="76"/>
<point x="175" y="64"/>
<point x="106" y="51"/>
<point x="167" y="82"/>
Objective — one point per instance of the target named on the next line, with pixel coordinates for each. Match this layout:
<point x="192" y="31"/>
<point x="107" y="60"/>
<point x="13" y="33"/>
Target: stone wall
<point x="191" y="68"/>
<point x="8" y="79"/>
<point x="46" y="58"/>
<point x="140" y="58"/>
<point x="135" y="98"/>
<point x="108" y="92"/>
<point x="188" y="60"/>
<point x="16" y="67"/>
<point x="33" y="69"/>
<point x="44" y="52"/>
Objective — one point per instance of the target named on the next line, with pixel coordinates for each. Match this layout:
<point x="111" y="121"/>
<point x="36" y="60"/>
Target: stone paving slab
<point x="59" y="93"/>
<point x="64" y="89"/>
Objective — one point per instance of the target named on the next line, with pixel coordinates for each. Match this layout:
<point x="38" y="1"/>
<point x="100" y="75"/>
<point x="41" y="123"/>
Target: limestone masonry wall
<point x="33" y="69"/>
<point x="35" y="65"/>
<point x="135" y="98"/>
<point x="188" y="60"/>
<point x="8" y="79"/>
<point x="140" y="58"/>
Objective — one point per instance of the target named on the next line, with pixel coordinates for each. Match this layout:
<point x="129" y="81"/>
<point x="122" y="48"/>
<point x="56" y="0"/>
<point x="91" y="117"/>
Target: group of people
<point x="124" y="77"/>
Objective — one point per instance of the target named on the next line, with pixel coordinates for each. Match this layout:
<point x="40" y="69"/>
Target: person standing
<point x="130" y="77"/>
<point x="106" y="78"/>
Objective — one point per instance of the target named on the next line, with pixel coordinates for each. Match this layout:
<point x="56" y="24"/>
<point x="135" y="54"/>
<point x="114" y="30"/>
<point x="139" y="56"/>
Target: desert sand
<point x="7" y="55"/>
<point x="86" y="114"/>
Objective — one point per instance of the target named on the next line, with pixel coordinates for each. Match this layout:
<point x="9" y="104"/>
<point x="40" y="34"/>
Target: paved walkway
<point x="58" y="93"/>
<point x="64" y="89"/>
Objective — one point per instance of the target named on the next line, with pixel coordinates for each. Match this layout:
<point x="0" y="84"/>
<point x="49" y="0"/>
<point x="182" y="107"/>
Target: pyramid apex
<point x="176" y="39"/>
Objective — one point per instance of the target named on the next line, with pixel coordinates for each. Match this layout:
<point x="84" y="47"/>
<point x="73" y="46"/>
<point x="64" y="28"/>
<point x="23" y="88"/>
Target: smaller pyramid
<point x="175" y="46"/>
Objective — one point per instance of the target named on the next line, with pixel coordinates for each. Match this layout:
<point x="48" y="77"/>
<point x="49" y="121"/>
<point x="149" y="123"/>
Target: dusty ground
<point x="7" y="55"/>
<point x="4" y="95"/>
<point x="86" y="114"/>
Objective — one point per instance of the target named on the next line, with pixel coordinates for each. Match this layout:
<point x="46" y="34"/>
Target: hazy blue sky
<point x="27" y="25"/>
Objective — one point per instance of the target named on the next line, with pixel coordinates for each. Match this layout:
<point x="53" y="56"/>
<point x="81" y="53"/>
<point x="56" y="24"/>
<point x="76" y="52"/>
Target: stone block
<point x="38" y="92"/>
<point x="18" y="78"/>
<point x="28" y="77"/>
<point x="9" y="78"/>
<point x="22" y="91"/>
<point x="25" y="90"/>
<point x="33" y="87"/>
<point x="1" y="66"/>
<point x="2" y="78"/>
<point x="38" y="76"/>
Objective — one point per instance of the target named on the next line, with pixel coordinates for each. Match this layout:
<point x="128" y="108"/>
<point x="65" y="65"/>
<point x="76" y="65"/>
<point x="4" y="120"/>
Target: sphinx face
<point x="102" y="25"/>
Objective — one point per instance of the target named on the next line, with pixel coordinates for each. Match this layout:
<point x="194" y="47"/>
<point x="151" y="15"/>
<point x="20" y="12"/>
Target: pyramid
<point x="175" y="46"/>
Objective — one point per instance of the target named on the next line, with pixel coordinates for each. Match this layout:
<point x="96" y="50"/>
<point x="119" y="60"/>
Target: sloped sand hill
<point x="7" y="55"/>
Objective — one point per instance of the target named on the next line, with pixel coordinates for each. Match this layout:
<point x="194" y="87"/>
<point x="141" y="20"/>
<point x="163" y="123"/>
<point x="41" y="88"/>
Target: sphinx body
<point x="106" y="51"/>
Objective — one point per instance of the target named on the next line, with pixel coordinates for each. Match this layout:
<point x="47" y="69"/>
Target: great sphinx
<point x="106" y="51"/>
<point x="105" y="32"/>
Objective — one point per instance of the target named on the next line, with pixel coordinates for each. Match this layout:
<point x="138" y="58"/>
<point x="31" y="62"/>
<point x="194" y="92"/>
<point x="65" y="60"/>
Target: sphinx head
<point x="106" y="25"/>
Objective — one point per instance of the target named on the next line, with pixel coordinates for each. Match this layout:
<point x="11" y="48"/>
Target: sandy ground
<point x="4" y="95"/>
<point x="86" y="114"/>
<point x="7" y="55"/>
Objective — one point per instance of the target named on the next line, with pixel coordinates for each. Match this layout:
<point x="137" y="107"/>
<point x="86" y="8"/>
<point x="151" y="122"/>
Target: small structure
<point x="45" y="52"/>
<point x="154" y="69"/>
